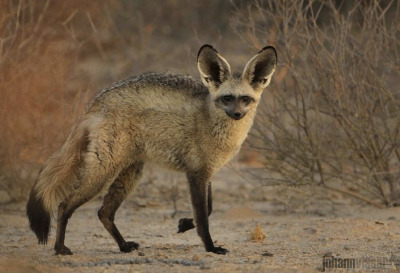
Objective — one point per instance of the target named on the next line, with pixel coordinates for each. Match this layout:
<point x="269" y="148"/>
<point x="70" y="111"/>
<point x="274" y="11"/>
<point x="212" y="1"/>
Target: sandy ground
<point x="301" y="227"/>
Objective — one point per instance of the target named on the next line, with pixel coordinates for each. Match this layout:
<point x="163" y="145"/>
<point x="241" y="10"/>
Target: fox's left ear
<point x="258" y="71"/>
<point x="213" y="68"/>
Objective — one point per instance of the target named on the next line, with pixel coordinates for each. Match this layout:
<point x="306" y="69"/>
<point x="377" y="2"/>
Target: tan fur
<point x="146" y="125"/>
<point x="169" y="119"/>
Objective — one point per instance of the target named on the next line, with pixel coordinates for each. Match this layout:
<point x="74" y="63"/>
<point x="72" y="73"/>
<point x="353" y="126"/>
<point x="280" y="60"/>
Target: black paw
<point x="62" y="250"/>
<point x="219" y="250"/>
<point x="185" y="224"/>
<point x="128" y="247"/>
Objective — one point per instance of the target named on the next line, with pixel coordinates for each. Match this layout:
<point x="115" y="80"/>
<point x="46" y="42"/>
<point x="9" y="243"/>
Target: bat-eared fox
<point x="176" y="121"/>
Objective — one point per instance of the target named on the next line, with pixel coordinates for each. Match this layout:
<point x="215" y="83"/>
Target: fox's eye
<point x="247" y="100"/>
<point x="227" y="98"/>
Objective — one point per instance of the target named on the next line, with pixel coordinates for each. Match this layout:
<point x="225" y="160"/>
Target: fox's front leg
<point x="186" y="224"/>
<point x="198" y="184"/>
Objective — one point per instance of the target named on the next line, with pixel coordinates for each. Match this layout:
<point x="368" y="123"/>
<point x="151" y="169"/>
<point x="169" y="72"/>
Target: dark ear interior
<point x="260" y="68"/>
<point x="213" y="68"/>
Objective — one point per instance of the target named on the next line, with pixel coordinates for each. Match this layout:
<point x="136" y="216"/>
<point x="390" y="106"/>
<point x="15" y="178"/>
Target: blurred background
<point x="329" y="120"/>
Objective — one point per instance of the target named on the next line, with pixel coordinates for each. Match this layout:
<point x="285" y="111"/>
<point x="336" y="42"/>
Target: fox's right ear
<point x="213" y="68"/>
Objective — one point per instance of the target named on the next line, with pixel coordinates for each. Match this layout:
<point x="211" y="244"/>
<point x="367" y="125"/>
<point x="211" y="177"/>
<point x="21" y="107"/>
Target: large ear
<point x="258" y="71"/>
<point x="213" y="68"/>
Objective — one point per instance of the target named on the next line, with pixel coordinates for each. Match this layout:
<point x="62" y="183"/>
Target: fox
<point x="179" y="122"/>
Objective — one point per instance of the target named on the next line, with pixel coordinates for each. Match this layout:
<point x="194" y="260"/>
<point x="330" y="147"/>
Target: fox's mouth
<point x="235" y="115"/>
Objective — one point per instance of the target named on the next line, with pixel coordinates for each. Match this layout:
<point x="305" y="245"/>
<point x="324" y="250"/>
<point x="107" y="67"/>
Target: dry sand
<point x="301" y="227"/>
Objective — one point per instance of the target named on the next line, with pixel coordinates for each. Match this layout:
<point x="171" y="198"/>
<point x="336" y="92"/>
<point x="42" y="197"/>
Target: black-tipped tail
<point x="39" y="218"/>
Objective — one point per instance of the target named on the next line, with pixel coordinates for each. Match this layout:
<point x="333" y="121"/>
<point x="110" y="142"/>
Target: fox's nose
<point x="236" y="115"/>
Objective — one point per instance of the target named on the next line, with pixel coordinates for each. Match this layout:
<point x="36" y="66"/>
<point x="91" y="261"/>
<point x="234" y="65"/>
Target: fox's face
<point x="234" y="106"/>
<point x="236" y="96"/>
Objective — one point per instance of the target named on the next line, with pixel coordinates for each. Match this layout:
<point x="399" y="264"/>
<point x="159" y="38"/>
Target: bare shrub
<point x="332" y="116"/>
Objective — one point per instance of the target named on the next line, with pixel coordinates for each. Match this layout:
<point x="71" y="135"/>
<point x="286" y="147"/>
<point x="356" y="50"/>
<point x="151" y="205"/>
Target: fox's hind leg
<point x="118" y="191"/>
<point x="91" y="186"/>
<point x="186" y="224"/>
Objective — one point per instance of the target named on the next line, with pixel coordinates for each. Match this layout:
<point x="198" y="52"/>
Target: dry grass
<point x="37" y="103"/>
<point x="257" y="234"/>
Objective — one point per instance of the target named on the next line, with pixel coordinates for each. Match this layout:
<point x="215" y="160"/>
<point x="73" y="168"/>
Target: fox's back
<point x="150" y="90"/>
<point x="160" y="113"/>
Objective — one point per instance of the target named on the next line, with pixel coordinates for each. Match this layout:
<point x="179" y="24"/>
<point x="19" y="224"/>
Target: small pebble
<point x="205" y="266"/>
<point x="327" y="254"/>
<point x="310" y="230"/>
<point x="267" y="254"/>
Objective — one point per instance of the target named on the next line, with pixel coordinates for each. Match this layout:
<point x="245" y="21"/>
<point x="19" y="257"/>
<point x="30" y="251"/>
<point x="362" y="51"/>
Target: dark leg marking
<point x="198" y="191"/>
<point x="62" y="222"/>
<point x="186" y="224"/>
<point x="65" y="211"/>
<point x="117" y="193"/>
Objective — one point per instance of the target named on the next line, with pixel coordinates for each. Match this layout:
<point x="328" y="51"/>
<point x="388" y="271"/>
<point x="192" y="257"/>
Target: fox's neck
<point x="226" y="133"/>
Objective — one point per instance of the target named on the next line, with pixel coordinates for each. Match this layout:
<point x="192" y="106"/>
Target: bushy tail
<point x="55" y="182"/>
<point x="39" y="217"/>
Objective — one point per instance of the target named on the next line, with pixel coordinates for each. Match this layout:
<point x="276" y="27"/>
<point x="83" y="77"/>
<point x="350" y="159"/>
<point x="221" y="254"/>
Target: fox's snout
<point x="236" y="115"/>
<point x="235" y="107"/>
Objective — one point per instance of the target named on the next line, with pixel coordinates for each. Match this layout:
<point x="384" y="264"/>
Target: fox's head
<point x="236" y="96"/>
